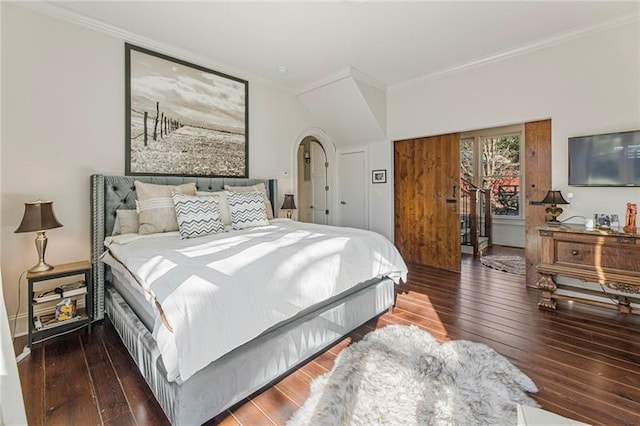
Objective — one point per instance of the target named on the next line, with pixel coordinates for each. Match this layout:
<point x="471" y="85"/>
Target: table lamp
<point x="289" y="204"/>
<point x="39" y="217"/>
<point x="554" y="198"/>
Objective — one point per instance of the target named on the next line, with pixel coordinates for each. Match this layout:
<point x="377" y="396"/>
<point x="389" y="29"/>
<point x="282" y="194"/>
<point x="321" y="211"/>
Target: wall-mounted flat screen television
<point x="611" y="159"/>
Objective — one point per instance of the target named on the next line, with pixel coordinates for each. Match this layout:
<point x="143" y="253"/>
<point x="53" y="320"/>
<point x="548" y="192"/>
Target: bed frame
<point x="244" y="370"/>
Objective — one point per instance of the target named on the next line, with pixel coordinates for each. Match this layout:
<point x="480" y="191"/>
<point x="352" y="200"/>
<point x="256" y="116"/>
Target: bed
<point x="190" y="388"/>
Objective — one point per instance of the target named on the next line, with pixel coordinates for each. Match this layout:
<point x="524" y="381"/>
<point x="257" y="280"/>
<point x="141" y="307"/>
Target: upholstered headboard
<point x="111" y="193"/>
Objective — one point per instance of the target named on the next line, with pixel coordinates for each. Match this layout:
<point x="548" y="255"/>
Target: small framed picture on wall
<point x="379" y="176"/>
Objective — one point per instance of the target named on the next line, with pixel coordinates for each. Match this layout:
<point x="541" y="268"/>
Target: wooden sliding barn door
<point x="537" y="169"/>
<point x="426" y="191"/>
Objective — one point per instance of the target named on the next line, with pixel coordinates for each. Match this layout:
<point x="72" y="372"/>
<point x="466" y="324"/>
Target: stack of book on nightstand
<point x="46" y="321"/>
<point x="66" y="290"/>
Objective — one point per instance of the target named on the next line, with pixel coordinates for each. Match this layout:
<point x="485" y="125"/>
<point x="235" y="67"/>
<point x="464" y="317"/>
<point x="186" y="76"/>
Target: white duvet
<point x="220" y="291"/>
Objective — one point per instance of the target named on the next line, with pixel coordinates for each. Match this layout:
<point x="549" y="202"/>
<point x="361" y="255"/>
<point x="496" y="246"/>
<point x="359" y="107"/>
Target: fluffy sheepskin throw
<point x="400" y="375"/>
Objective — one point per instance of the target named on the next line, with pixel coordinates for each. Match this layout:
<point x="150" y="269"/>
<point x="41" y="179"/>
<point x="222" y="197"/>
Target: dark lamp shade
<point x="554" y="197"/>
<point x="38" y="216"/>
<point x="288" y="204"/>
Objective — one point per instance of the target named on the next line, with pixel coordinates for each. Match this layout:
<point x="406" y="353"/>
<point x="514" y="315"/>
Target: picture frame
<point x="183" y="119"/>
<point x="606" y="221"/>
<point x="379" y="176"/>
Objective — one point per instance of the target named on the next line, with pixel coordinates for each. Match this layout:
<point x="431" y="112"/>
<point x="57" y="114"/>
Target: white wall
<point x="586" y="85"/>
<point x="381" y="194"/>
<point x="63" y="119"/>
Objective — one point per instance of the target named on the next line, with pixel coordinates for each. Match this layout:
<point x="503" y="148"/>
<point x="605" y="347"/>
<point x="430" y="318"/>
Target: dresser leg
<point x="548" y="287"/>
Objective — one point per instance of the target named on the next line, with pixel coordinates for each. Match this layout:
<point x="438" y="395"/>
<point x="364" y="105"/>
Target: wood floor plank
<point x="69" y="394"/>
<point x="584" y="359"/>
<point x="226" y="418"/>
<point x="123" y="419"/>
<point x="295" y="386"/>
<point x="111" y="400"/>
<point x="143" y="405"/>
<point x="276" y="405"/>
<point x="249" y="414"/>
<point x="31" y="371"/>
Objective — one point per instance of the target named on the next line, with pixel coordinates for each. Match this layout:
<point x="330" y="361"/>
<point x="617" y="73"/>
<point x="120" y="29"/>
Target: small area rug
<point x="511" y="264"/>
<point x="401" y="375"/>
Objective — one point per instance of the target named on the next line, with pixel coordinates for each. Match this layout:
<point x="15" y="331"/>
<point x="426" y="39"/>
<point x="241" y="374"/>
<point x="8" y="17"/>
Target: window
<point x="501" y="173"/>
<point x="467" y="161"/>
<point x="493" y="163"/>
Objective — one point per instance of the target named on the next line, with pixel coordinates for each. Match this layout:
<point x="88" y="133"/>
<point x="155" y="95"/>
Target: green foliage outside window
<point x="499" y="171"/>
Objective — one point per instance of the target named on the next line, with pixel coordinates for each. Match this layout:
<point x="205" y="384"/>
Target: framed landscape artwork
<point x="183" y="119"/>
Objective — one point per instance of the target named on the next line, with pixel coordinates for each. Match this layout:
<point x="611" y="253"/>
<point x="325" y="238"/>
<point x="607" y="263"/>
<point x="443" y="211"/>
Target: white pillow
<point x="197" y="215"/>
<point x="224" y="206"/>
<point x="252" y="188"/>
<point x="247" y="210"/>
<point x="155" y="205"/>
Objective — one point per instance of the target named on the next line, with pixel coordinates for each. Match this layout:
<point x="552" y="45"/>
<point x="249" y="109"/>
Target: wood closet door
<point x="537" y="139"/>
<point x="426" y="191"/>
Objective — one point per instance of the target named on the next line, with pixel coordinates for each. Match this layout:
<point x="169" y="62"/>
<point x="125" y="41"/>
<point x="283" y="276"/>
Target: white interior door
<point x="352" y="190"/>
<point x="318" y="184"/>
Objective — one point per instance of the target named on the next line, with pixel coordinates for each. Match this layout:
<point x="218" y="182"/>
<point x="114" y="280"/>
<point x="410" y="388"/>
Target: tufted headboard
<point x="111" y="193"/>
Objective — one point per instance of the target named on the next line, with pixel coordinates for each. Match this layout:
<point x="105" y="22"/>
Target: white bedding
<point x="220" y="291"/>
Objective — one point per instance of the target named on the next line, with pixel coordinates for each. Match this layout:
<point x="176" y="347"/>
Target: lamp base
<point x="41" y="267"/>
<point x="41" y="246"/>
<point x="553" y="211"/>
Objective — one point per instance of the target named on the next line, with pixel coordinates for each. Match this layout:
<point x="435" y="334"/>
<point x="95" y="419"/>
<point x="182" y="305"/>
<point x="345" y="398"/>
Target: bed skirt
<point x="250" y="367"/>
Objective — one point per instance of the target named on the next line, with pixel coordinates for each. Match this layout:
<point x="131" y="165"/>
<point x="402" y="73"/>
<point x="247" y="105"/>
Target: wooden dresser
<point x="608" y="258"/>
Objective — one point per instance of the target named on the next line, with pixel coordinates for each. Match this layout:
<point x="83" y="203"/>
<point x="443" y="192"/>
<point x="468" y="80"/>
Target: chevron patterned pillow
<point x="247" y="209"/>
<point x="197" y="216"/>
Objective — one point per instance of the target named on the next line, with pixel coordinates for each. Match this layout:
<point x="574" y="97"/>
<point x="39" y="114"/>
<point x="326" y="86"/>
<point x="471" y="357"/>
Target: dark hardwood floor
<point x="585" y="360"/>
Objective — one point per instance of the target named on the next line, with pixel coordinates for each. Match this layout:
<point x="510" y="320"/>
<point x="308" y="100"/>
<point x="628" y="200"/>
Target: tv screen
<point x="612" y="159"/>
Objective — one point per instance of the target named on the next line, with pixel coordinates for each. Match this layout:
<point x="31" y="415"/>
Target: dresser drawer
<point x="610" y="257"/>
<point x="577" y="253"/>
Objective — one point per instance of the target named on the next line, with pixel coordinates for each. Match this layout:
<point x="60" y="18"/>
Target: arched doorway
<point x="313" y="187"/>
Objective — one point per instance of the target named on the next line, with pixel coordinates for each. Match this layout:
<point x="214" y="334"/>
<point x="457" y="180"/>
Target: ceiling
<point x="390" y="41"/>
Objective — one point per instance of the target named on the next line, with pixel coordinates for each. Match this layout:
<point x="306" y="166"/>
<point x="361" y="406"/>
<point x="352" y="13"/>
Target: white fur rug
<point x="511" y="264"/>
<point x="400" y="375"/>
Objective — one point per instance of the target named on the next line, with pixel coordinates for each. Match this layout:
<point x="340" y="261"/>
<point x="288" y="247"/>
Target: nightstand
<point x="38" y="329"/>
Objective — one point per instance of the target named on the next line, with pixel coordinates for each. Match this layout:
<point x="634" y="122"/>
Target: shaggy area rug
<point x="401" y="375"/>
<point x="511" y="264"/>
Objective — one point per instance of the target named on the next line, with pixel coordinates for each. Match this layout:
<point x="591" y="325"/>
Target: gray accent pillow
<point x="155" y="206"/>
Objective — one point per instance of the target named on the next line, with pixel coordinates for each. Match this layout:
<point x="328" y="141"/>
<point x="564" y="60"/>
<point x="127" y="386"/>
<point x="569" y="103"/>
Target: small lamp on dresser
<point x="39" y="217"/>
<point x="554" y="198"/>
<point x="288" y="205"/>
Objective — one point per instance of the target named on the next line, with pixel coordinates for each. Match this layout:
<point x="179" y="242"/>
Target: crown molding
<point x="526" y="48"/>
<point x="57" y="11"/>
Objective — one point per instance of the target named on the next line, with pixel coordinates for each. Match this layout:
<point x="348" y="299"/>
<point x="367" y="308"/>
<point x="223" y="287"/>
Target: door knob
<point x="343" y="202"/>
